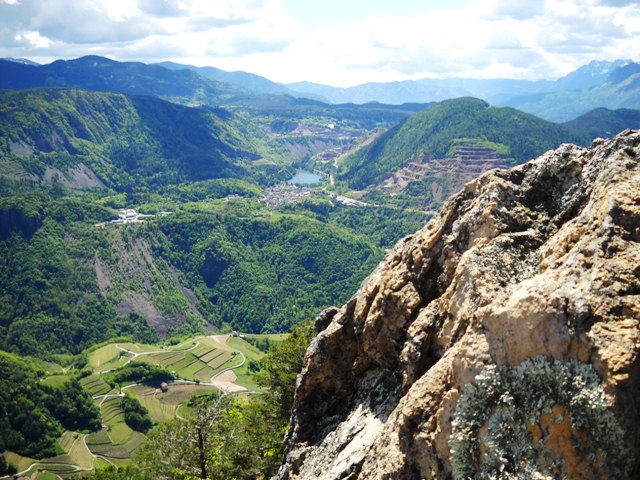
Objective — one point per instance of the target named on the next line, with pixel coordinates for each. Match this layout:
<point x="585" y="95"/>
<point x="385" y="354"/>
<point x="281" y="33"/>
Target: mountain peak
<point x="587" y="76"/>
<point x="23" y="61"/>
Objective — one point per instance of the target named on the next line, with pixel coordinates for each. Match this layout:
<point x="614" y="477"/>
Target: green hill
<point x="434" y="131"/>
<point x="111" y="139"/>
<point x="605" y="123"/>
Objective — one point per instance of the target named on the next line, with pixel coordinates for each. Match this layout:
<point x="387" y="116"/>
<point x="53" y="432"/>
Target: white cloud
<point x="34" y="39"/>
<point x="486" y="38"/>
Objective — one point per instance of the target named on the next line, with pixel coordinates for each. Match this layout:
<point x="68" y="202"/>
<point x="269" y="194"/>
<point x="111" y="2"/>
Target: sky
<point x="334" y="42"/>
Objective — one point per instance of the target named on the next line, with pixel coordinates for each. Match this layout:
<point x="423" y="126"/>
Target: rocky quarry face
<point x="500" y="341"/>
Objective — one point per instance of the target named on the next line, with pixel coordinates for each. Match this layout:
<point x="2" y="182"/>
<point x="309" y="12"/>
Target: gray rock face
<point x="500" y="340"/>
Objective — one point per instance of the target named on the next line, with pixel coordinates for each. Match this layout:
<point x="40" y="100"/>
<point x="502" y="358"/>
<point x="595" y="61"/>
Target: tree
<point x="280" y="368"/>
<point x="136" y="416"/>
<point x="188" y="447"/>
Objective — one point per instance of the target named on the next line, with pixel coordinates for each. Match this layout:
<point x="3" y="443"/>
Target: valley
<point x="149" y="213"/>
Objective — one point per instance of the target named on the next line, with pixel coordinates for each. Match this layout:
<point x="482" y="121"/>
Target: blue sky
<point x="336" y="42"/>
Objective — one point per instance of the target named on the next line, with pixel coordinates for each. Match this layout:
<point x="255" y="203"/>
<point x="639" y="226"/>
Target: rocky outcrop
<point x="500" y="341"/>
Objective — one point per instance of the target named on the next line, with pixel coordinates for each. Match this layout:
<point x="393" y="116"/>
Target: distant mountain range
<point x="133" y="78"/>
<point x="421" y="90"/>
<point x="600" y="84"/>
<point x="620" y="89"/>
<point x="250" y="81"/>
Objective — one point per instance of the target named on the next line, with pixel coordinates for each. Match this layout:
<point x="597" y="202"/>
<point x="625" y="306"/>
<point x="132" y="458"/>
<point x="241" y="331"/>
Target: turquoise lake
<point x="305" y="178"/>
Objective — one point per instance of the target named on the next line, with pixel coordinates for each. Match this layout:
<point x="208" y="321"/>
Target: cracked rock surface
<point x="540" y="261"/>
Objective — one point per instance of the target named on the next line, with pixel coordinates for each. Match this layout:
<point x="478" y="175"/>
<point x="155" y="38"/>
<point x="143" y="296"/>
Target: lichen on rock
<point x="532" y="269"/>
<point x="508" y="422"/>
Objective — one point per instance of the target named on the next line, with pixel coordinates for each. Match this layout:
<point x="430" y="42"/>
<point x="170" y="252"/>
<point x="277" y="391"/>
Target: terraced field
<point x="162" y="406"/>
<point x="77" y="457"/>
<point x="103" y="356"/>
<point x="244" y="377"/>
<point x="199" y="363"/>
<point x="123" y="451"/>
<point x="111" y="411"/>
<point x="195" y="359"/>
<point x="95" y="384"/>
<point x="97" y="438"/>
<point x="466" y="162"/>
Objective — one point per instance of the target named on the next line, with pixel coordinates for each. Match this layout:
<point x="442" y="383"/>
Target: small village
<point x="130" y="215"/>
<point x="285" y="194"/>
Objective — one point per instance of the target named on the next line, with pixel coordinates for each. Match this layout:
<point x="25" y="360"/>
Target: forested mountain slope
<point x="68" y="283"/>
<point x="433" y="132"/>
<point x="604" y="123"/>
<point x="120" y="141"/>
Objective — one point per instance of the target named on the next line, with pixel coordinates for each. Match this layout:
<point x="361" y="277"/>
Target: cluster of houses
<point x="129" y="215"/>
<point x="284" y="193"/>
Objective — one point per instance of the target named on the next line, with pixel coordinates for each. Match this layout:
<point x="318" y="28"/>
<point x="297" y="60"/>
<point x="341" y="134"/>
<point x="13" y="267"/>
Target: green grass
<point x="98" y="438"/>
<point x="95" y="384"/>
<point x="163" y="359"/>
<point x="204" y="374"/>
<point x="159" y="411"/>
<point x="56" y="380"/>
<point x="103" y="355"/>
<point x="183" y="410"/>
<point x="47" y="476"/>
<point x="188" y="359"/>
<point x="221" y="361"/>
<point x="56" y="467"/>
<point x="116" y="363"/>
<point x="120" y="462"/>
<point x="18" y="461"/>
<point x="139" y="347"/>
<point x="51" y="367"/>
<point x="120" y="433"/>
<point x="162" y="406"/>
<point x="202" y="349"/>
<point x="78" y="455"/>
<point x="111" y="411"/>
<point x="273" y="337"/>
<point x="102" y="463"/>
<point x="246" y="348"/>
<point x="66" y="441"/>
<point x="190" y="371"/>
<point x="121" y="451"/>
<point x="208" y="357"/>
<point x="185" y="345"/>
<point x="245" y="377"/>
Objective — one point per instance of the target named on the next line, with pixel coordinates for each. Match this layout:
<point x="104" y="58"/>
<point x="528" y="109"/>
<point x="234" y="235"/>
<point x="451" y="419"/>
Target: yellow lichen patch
<point x="556" y="439"/>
